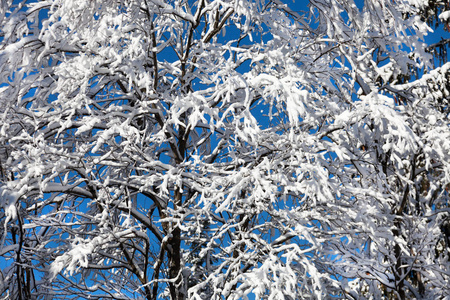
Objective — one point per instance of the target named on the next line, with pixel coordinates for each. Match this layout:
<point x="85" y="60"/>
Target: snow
<point x="241" y="149"/>
<point x="8" y="201"/>
<point x="445" y="16"/>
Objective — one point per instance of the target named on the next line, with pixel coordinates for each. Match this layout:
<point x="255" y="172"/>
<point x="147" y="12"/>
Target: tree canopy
<point x="212" y="149"/>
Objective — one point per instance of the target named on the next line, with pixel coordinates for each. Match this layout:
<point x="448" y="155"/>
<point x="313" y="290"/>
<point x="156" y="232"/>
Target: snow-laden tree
<point x="215" y="149"/>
